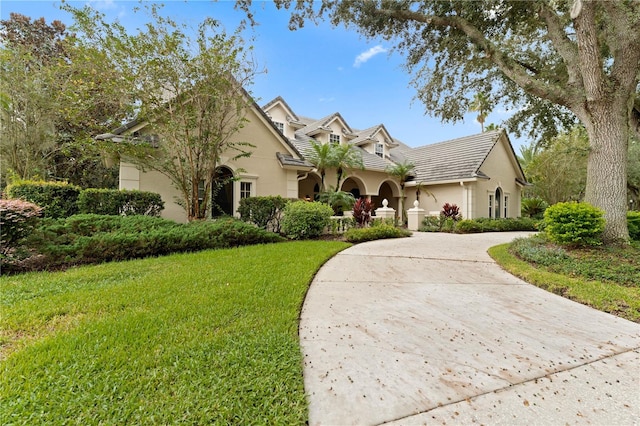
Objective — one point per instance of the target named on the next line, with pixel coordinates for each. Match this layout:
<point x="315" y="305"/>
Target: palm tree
<point x="321" y="156"/>
<point x="345" y="156"/>
<point x="402" y="172"/>
<point x="482" y="106"/>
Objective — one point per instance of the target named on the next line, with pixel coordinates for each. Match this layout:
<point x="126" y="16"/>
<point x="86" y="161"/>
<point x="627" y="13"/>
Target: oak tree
<point x="553" y="61"/>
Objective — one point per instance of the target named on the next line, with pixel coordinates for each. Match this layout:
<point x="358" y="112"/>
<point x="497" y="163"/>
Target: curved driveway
<point x="429" y="330"/>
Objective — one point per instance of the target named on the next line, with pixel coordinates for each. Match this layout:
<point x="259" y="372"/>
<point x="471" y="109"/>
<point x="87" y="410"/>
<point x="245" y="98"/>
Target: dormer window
<point x="334" y="139"/>
<point x="279" y="125"/>
<point x="379" y="150"/>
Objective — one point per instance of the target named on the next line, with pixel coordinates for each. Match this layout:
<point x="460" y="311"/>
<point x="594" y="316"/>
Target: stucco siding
<point x="501" y="171"/>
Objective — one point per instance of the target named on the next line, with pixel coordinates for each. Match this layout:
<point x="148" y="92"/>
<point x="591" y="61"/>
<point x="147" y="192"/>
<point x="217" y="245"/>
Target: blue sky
<point x="318" y="70"/>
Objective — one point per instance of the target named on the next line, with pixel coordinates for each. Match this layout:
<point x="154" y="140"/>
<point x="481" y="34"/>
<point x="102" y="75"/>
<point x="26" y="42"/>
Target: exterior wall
<point x="279" y="114"/>
<point x="452" y="193"/>
<point x="500" y="168"/>
<point x="262" y="169"/>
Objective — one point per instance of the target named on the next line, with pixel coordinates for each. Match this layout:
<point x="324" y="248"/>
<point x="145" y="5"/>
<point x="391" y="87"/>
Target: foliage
<point x="362" y="212"/>
<point x="633" y="172"/>
<point x="542" y="59"/>
<point x="58" y="93"/>
<point x="190" y="94"/>
<point x="575" y="224"/>
<point x="264" y="212"/>
<point x="17" y="219"/>
<point x="633" y="221"/>
<point x="327" y="156"/>
<point x="340" y="201"/>
<point x="482" y="105"/>
<point x="90" y="238"/>
<point x="119" y="202"/>
<point x="57" y="199"/>
<point x="559" y="171"/>
<point x="605" y="278"/>
<point x="533" y="207"/>
<point x="303" y="220"/>
<point x="359" y="235"/>
<point x="469" y="226"/>
<point x="134" y="339"/>
<point x="451" y="211"/>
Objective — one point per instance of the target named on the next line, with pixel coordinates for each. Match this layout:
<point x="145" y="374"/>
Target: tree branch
<point x="509" y="67"/>
<point x="565" y="47"/>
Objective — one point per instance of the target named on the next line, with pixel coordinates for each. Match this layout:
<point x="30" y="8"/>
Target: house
<point x="479" y="173"/>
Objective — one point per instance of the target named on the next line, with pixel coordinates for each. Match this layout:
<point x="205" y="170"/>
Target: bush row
<point x="93" y="238"/>
<point x="468" y="226"/>
<point x="60" y="200"/>
<point x="377" y="231"/>
<point x="17" y="219"/>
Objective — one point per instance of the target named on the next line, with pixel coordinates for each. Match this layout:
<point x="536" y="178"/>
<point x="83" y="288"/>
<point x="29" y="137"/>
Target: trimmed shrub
<point x="576" y="224"/>
<point x="469" y="226"/>
<point x="17" y="219"/>
<point x="264" y="212"/>
<point x="96" y="238"/>
<point x="57" y="199"/>
<point x="305" y="220"/>
<point x="633" y="223"/>
<point x="359" y="235"/>
<point x="119" y="202"/>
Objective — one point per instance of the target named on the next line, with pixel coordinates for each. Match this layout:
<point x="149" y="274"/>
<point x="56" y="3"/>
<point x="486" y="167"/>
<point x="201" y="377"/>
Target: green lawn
<point x="201" y="338"/>
<point x="606" y="278"/>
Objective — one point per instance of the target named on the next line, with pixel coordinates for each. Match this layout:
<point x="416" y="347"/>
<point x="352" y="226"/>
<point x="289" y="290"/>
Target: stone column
<point x="415" y="216"/>
<point x="385" y="212"/>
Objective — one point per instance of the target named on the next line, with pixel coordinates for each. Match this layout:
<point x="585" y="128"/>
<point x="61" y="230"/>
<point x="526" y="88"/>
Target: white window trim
<point x="335" y="142"/>
<point x="253" y="180"/>
<point x="505" y="206"/>
<point x="375" y="149"/>
<point x="491" y="200"/>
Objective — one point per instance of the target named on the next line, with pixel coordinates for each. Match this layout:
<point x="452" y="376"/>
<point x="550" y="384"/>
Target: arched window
<point x="498" y="203"/>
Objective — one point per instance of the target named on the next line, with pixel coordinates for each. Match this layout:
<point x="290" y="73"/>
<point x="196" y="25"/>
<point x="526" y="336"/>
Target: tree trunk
<point x="608" y="132"/>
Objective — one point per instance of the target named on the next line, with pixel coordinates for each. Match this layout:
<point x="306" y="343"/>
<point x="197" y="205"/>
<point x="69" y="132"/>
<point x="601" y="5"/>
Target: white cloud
<point x="102" y="4"/>
<point x="368" y="54"/>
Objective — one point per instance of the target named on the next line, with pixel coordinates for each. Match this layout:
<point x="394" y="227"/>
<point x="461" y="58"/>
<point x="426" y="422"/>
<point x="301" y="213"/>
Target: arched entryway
<point x="309" y="187"/>
<point x="385" y="192"/>
<point x="222" y="196"/>
<point x="353" y="186"/>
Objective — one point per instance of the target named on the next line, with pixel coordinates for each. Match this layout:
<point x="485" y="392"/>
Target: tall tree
<point x="345" y="157"/>
<point x="188" y="90"/>
<point x="559" y="171"/>
<point x="482" y="106"/>
<point x="402" y="172"/>
<point x="320" y="155"/>
<point x="553" y="61"/>
<point x="58" y="93"/>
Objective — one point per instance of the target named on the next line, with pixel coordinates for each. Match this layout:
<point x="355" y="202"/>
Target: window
<point x="379" y="150"/>
<point x="506" y="206"/>
<point x="498" y="202"/>
<point x="334" y="139"/>
<point x="245" y="189"/>
<point x="491" y="206"/>
<point x="279" y="125"/>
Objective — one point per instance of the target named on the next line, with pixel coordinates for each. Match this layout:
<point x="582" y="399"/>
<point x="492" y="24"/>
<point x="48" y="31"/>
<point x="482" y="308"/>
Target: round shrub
<point x="17" y="218"/>
<point x="305" y="220"/>
<point x="572" y="223"/>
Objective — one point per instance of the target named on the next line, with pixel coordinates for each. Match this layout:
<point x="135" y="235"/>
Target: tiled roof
<point x="289" y="160"/>
<point x="450" y="160"/>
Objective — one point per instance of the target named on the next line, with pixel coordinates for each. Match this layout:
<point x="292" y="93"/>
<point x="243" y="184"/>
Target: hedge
<point x="119" y="202"/>
<point x="57" y="199"/>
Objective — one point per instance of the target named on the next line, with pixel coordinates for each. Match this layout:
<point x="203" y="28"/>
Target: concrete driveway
<point x="429" y="330"/>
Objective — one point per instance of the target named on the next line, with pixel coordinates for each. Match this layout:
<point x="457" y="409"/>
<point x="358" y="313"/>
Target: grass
<point x="607" y="279"/>
<point x="210" y="337"/>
